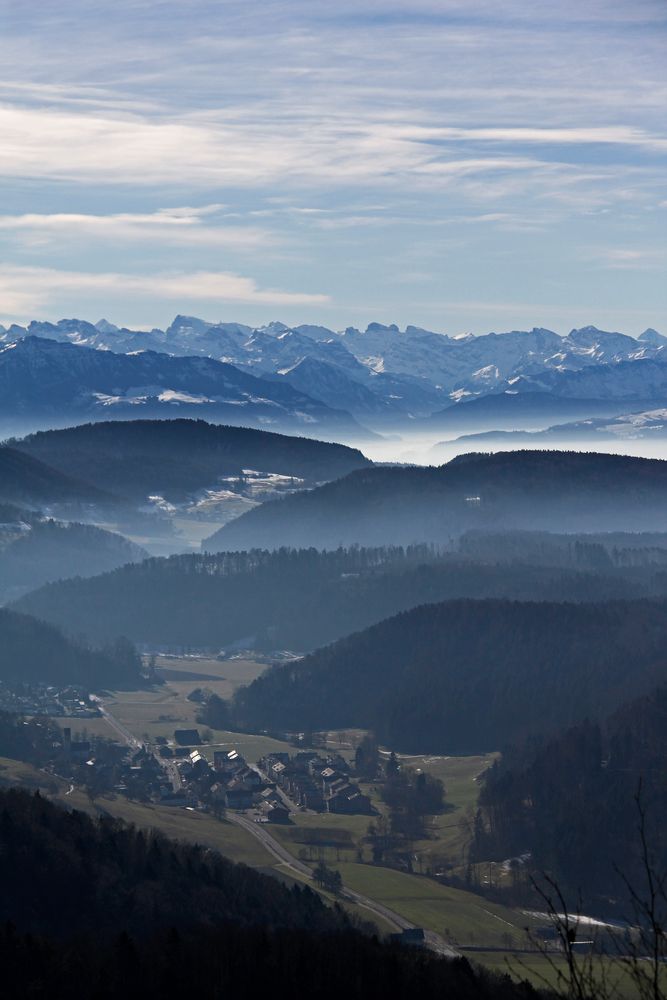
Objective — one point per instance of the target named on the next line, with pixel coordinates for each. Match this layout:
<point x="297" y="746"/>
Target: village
<point x="42" y="699"/>
<point x="277" y="785"/>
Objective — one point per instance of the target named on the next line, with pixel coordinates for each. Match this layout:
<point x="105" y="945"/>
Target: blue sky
<point x="460" y="165"/>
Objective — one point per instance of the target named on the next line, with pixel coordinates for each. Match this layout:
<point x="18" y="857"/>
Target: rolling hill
<point x="546" y="490"/>
<point x="48" y="550"/>
<point x="177" y="458"/>
<point x="464" y="677"/>
<point x="27" y="480"/>
<point x="300" y="600"/>
<point x="33" y="651"/>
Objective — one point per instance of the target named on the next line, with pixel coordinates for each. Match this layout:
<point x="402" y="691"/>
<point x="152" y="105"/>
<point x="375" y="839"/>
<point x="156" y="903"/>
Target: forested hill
<point x="545" y="490"/>
<point x="32" y="650"/>
<point x="95" y="909"/>
<point x="466" y="677"/>
<point x="570" y="801"/>
<point x="27" y="479"/>
<point x="51" y="550"/>
<point x="300" y="599"/>
<point x="176" y="458"/>
<point x="104" y="873"/>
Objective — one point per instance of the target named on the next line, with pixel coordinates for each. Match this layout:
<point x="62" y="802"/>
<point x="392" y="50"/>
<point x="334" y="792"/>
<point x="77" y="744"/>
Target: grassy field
<point x="543" y="971"/>
<point x="447" y="837"/>
<point x="160" y="710"/>
<point x="195" y="827"/>
<point x="165" y="708"/>
<point x="461" y="917"/>
<point x="181" y="824"/>
<point x="15" y="772"/>
<point x="449" y="834"/>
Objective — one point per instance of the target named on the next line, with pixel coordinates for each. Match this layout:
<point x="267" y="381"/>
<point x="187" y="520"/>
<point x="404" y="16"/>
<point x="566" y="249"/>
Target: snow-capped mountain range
<point x="382" y="376"/>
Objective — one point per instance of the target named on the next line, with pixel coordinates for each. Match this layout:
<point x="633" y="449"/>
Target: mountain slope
<point x="578" y="830"/>
<point x="46" y="378"/>
<point x="176" y="458"/>
<point x="52" y="551"/>
<point x="525" y="489"/>
<point x="511" y="410"/>
<point x="31" y="650"/>
<point x="644" y="378"/>
<point x="382" y="396"/>
<point x="650" y="425"/>
<point x="97" y="910"/>
<point x="467" y="676"/>
<point x="24" y="479"/>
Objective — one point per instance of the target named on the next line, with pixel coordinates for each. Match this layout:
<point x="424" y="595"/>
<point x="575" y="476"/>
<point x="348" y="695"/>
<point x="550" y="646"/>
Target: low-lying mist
<point x="431" y="449"/>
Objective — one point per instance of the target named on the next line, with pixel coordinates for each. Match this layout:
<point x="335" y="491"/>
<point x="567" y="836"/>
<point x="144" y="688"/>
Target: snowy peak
<point x="381" y="328"/>
<point x="652" y="337"/>
<point x="602" y="342"/>
<point x="275" y="328"/>
<point x="382" y="369"/>
<point x="104" y="326"/>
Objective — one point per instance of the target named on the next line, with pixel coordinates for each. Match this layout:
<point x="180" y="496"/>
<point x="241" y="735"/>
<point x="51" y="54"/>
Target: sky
<point x="460" y="165"/>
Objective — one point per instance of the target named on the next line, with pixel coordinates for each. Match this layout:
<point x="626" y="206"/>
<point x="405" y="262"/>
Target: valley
<point x="396" y="683"/>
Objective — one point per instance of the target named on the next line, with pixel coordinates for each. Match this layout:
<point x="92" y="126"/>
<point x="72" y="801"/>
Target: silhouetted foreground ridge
<point x="96" y="909"/>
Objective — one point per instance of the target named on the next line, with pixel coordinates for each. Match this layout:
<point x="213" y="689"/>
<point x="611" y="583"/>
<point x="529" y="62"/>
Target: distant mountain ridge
<point x="641" y="425"/>
<point x="50" y="380"/>
<point x="382" y="374"/>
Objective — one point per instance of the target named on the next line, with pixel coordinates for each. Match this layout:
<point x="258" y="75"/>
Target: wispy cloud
<point x="630" y="258"/>
<point x="530" y="130"/>
<point x="26" y="289"/>
<point x="180" y="227"/>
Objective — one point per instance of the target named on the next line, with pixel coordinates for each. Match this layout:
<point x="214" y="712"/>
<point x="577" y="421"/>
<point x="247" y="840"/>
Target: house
<point x="249" y="777"/>
<point x="239" y="798"/>
<point x="413" y="936"/>
<point x="305" y="793"/>
<point x="278" y="772"/>
<point x="198" y="763"/>
<point x="274" y="812"/>
<point x="338" y="763"/>
<point x="187" y="737"/>
<point x="268" y="795"/>
<point x="303" y="759"/>
<point x="349" y="800"/>
<point x="228" y="761"/>
<point x="329" y="776"/>
<point x="273" y="758"/>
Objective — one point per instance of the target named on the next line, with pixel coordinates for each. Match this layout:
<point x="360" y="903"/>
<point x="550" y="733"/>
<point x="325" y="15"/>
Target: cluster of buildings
<point x="278" y="785"/>
<point x="178" y="773"/>
<point x="229" y="782"/>
<point x="42" y="699"/>
<point x="315" y="782"/>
